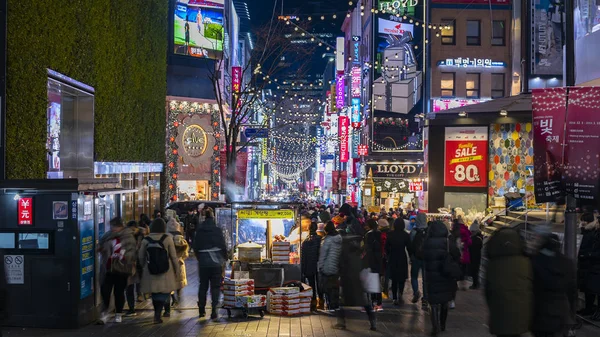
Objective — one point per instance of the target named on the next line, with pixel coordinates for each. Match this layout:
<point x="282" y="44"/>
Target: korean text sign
<point x="236" y="85"/>
<point x="340" y="90"/>
<point x="25" y="209"/>
<point x="344" y="124"/>
<point x="356" y="79"/>
<point x="466" y="156"/>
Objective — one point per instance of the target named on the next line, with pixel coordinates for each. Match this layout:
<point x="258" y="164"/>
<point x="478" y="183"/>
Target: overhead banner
<point x="344" y="125"/>
<point x="549" y="111"/>
<point x="582" y="151"/>
<point x="466" y="156"/>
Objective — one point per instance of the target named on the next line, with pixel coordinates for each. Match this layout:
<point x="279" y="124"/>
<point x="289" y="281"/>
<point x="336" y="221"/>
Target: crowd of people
<point x="146" y="259"/>
<point x="529" y="286"/>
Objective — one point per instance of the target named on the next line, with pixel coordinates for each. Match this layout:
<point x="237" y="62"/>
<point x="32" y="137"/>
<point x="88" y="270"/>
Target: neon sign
<point x="467" y="62"/>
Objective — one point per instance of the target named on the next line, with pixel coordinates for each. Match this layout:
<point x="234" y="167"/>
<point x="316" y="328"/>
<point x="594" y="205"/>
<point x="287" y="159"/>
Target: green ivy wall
<point x="117" y="46"/>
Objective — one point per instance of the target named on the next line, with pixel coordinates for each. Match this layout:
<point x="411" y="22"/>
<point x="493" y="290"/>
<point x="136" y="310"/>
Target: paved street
<point x="468" y="319"/>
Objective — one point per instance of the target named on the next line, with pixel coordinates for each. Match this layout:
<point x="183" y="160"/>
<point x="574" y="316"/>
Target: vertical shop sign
<point x="549" y="111"/>
<point x="466" y="157"/>
<point x="355" y="113"/>
<point x="236" y="84"/>
<point x="582" y="145"/>
<point x="356" y="82"/>
<point x="344" y="123"/>
<point x="340" y="90"/>
<point x="241" y="168"/>
<point x="86" y="264"/>
<point x="25" y="210"/>
<point x="332" y="100"/>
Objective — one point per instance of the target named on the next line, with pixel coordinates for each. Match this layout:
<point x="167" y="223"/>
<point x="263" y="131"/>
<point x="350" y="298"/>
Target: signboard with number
<point x="25" y="209"/>
<point x="466" y="157"/>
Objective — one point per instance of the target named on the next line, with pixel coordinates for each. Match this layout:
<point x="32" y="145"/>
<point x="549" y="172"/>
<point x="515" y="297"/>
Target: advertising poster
<point x="198" y="28"/>
<point x="582" y="151"/>
<point x="586" y="18"/>
<point x="549" y="109"/>
<point x="344" y="128"/>
<point x="86" y="264"/>
<point x="548" y="22"/>
<point x="466" y="156"/>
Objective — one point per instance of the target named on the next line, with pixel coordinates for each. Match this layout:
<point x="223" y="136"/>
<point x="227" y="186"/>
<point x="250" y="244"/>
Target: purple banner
<point x="340" y="90"/>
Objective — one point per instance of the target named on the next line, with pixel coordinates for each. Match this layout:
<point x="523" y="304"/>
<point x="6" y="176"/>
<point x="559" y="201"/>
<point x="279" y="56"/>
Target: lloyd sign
<point x="466" y="157"/>
<point x="394" y="170"/>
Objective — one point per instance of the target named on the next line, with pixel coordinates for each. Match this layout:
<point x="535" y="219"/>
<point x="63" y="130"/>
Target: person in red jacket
<point x="459" y="229"/>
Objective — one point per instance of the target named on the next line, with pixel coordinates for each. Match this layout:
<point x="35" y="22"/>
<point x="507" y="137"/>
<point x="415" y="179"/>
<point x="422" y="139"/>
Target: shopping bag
<point x="370" y="281"/>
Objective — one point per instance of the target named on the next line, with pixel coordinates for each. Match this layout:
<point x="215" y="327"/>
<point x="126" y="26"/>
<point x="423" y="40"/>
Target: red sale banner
<point x="344" y="123"/>
<point x="466" y="157"/>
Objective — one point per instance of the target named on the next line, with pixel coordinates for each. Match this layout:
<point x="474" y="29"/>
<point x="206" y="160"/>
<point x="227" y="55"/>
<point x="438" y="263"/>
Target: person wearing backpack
<point x="417" y="239"/>
<point x="211" y="252"/>
<point x="158" y="256"/>
<point x="118" y="250"/>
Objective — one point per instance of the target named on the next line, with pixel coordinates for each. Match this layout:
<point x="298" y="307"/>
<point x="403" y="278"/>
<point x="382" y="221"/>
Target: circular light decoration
<point x="194" y="141"/>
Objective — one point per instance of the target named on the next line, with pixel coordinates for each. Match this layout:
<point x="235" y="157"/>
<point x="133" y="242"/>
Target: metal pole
<point x="570" y="44"/>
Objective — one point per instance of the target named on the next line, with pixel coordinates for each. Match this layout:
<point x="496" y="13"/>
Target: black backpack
<point x="157" y="256"/>
<point x="417" y="243"/>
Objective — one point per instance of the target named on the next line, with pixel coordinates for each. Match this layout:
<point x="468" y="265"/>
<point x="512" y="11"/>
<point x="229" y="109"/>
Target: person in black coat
<point x="373" y="257"/>
<point x="396" y="248"/>
<point x="310" y="261"/>
<point x="554" y="279"/>
<point x="211" y="252"/>
<point x="475" y="252"/>
<point x="439" y="288"/>
<point x="588" y="259"/>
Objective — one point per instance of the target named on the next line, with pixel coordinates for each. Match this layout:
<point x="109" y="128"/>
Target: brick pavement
<point x="467" y="320"/>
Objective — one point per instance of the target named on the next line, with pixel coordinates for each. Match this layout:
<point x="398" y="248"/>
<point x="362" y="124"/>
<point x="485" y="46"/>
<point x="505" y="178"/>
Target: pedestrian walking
<point x="475" y="252"/>
<point x="438" y="250"/>
<point x="118" y="255"/>
<point x="189" y="224"/>
<point x="182" y="251"/>
<point x="351" y="223"/>
<point x="329" y="265"/>
<point x="211" y="253"/>
<point x="463" y="235"/>
<point x="588" y="261"/>
<point x="385" y="228"/>
<point x="373" y="257"/>
<point x="353" y="293"/>
<point x="396" y="247"/>
<point x="417" y="239"/>
<point x="508" y="284"/>
<point x="554" y="279"/>
<point x="309" y="267"/>
<point x="158" y="256"/>
<point x="133" y="282"/>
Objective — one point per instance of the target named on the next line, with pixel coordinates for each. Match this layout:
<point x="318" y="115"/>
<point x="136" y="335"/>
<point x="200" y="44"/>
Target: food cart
<point x="267" y="240"/>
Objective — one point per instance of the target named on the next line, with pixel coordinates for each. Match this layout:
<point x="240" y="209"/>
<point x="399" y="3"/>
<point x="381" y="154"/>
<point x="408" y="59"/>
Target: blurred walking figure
<point x="373" y="257"/>
<point x="475" y="252"/>
<point x="588" y="261"/>
<point x="158" y="256"/>
<point x="461" y="232"/>
<point x="508" y="284"/>
<point x="417" y="239"/>
<point x="118" y="248"/>
<point x="396" y="247"/>
<point x="190" y="223"/>
<point x="182" y="250"/>
<point x="133" y="283"/>
<point x="353" y="293"/>
<point x="554" y="282"/>
<point x="310" y="261"/>
<point x="440" y="288"/>
<point x="211" y="252"/>
<point x="329" y="265"/>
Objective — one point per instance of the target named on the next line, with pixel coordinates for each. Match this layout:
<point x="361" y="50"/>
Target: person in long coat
<point x="588" y="260"/>
<point x="508" y="284"/>
<point x="475" y="252"/>
<point x="309" y="264"/>
<point x="439" y="288"/>
<point x="396" y="248"/>
<point x="373" y="257"/>
<point x="554" y="279"/>
<point x="353" y="293"/>
<point x="160" y="285"/>
<point x="328" y="265"/>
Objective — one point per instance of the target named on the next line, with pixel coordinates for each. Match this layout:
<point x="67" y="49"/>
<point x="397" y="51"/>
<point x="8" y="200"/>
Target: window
<point x="497" y="85"/>
<point x="473" y="33"/>
<point x="498" y="31"/>
<point x="447" y="84"/>
<point x="448" y="32"/>
<point x="472" y="85"/>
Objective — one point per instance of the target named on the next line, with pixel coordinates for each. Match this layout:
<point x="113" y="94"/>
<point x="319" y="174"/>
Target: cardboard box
<point x="238" y="293"/>
<point x="244" y="287"/>
<point x="284" y="290"/>
<point x="253" y="301"/>
<point x="238" y="282"/>
<point x="281" y="243"/>
<point x="282" y="306"/>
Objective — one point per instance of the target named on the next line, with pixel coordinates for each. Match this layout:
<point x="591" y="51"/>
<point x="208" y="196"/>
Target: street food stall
<point x="266" y="242"/>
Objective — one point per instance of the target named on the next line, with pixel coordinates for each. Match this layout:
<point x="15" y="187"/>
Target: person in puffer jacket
<point x="310" y="260"/>
<point x="329" y="264"/>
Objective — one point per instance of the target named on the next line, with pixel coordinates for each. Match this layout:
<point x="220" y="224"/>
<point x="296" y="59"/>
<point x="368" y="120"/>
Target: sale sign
<point x="466" y="156"/>
<point x="25" y="211"/>
<point x="344" y="125"/>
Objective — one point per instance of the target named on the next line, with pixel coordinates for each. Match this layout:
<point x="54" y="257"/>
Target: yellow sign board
<point x="265" y="214"/>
